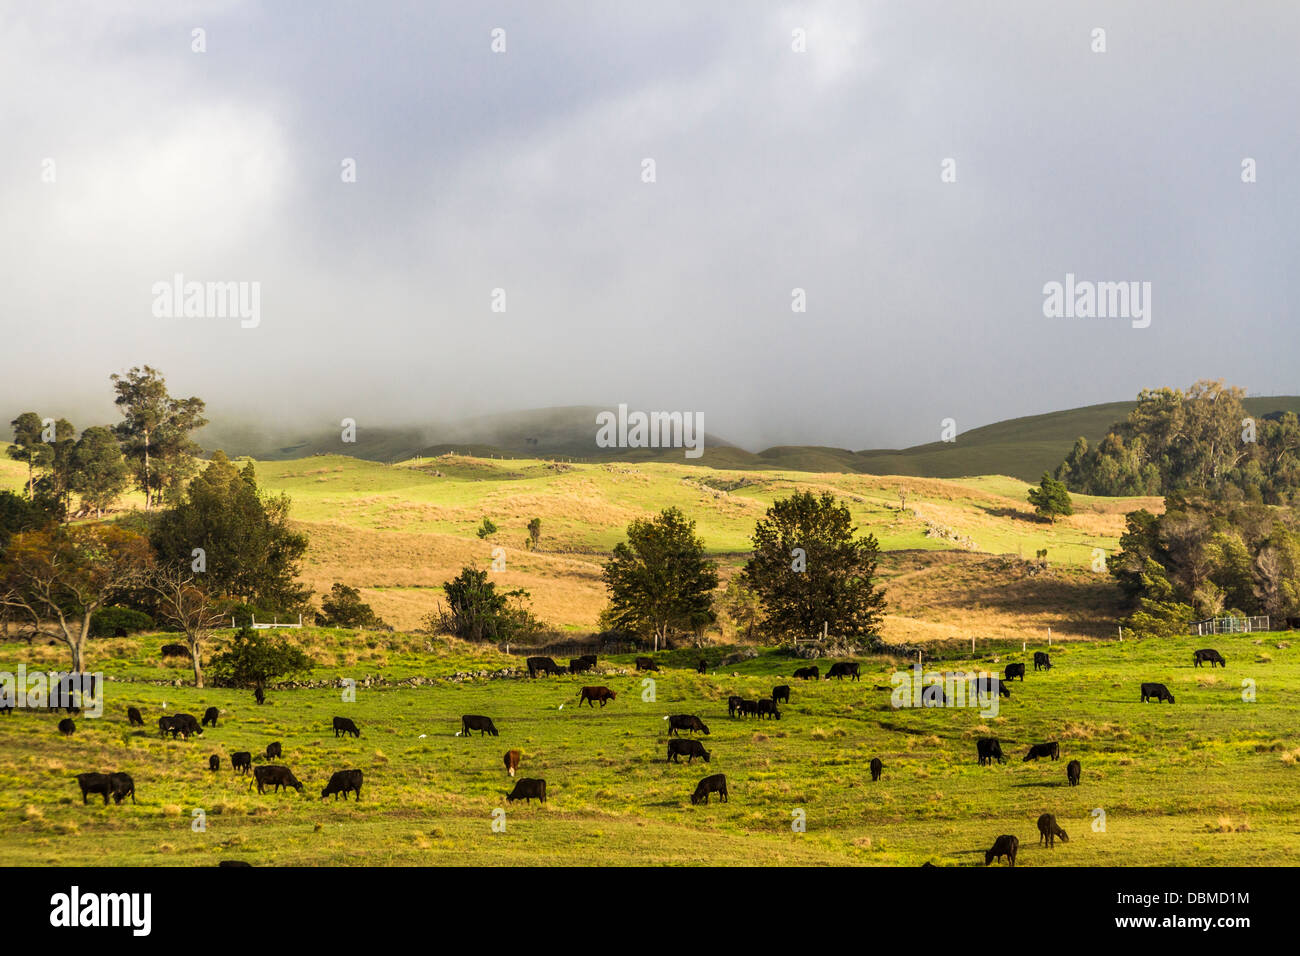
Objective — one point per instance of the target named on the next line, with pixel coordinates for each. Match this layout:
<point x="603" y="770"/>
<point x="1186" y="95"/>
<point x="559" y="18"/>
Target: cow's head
<point x="705" y="754"/>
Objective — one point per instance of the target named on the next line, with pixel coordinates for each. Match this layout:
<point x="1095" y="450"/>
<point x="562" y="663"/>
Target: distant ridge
<point x="1019" y="447"/>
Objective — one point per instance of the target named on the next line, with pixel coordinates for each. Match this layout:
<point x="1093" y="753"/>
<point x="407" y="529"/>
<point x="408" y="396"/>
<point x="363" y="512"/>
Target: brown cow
<point x="602" y="694"/>
<point x="512" y="761"/>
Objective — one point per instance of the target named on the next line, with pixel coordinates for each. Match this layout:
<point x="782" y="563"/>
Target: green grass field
<point x="1209" y="780"/>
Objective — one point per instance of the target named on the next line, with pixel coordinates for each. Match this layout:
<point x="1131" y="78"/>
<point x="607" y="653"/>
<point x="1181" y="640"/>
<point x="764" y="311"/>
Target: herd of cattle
<point x="119" y="785"/>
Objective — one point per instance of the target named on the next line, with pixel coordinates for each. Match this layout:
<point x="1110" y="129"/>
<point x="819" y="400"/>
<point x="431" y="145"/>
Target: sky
<point x="920" y="170"/>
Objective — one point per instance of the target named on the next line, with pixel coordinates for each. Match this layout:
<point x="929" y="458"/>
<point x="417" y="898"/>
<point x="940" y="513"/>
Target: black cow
<point x="214" y="762"/>
<point x="121" y="786"/>
<point x="702" y="667"/>
<point x="687" y="722"/>
<point x="93" y="783"/>
<point x="1208" y="654"/>
<point x="175" y="650"/>
<point x="344" y="725"/>
<point x="989" y="686"/>
<point x="932" y="695"/>
<point x="1052" y="750"/>
<point x="876" y="768"/>
<point x="989" y="750"/>
<point x="733" y="705"/>
<point x="472" y="722"/>
<point x="1013" y="671"/>
<point x="67" y="727"/>
<point x="808" y="673"/>
<point x="1072" y="772"/>
<point x="274" y="775"/>
<point x="543" y="665"/>
<point x="1048" y="831"/>
<point x="590" y="694"/>
<point x="646" y="664"/>
<point x="1158" y="691"/>
<point x="241" y="761"/>
<point x="344" y="782"/>
<point x="1041" y="661"/>
<point x="768" y="708"/>
<point x="580" y="665"/>
<point x="714" y="784"/>
<point x="259" y="694"/>
<point x="842" y="670"/>
<point x="1005" y="845"/>
<point x="134" y="717"/>
<point x="781" y="692"/>
<point x="179" y="724"/>
<point x="528" y="789"/>
<point x="210" y="717"/>
<point x="274" y="751"/>
<point x="748" y="708"/>
<point x="690" y="749"/>
<point x="233" y="863"/>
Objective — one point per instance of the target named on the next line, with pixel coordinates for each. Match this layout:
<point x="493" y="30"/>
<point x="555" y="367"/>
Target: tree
<point x="185" y="604"/>
<point x="534" y="532"/>
<point x="29" y="446"/>
<point x="249" y="549"/>
<point x="99" y="472"/>
<point x="659" y="580"/>
<point x="344" y="608"/>
<point x="477" y="611"/>
<point x="742" y="606"/>
<point x="67" y="574"/>
<point x="810" y="570"/>
<point x="155" y="432"/>
<point x="1051" y="499"/>
<point x="486" y="529"/>
<point x="255" y="658"/>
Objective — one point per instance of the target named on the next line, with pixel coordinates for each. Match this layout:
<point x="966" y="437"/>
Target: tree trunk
<point x="146" y="470"/>
<point x="198" y="664"/>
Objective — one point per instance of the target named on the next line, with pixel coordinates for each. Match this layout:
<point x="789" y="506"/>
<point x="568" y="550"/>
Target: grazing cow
<point x="690" y="749"/>
<point x="210" y="717"/>
<point x="134" y="717"/>
<point x="733" y="705"/>
<point x="1048" y="831"/>
<point x="214" y="762"/>
<point x="121" y="786"/>
<point x="233" y="863"/>
<point x="714" y="784"/>
<point x="344" y="782"/>
<point x="273" y="751"/>
<point x="344" y="725"/>
<point x="580" y="665"/>
<point x="1208" y="654"/>
<point x="67" y="727"/>
<point x="259" y="695"/>
<point x="687" y="722"/>
<point x="590" y="694"/>
<point x="1052" y="750"/>
<point x="768" y="708"/>
<point x="512" y="761"/>
<point x="543" y="665"/>
<point x="274" y="775"/>
<point x="748" y="708"/>
<point x="1072" y="772"/>
<point x="807" y="673"/>
<point x="933" y="696"/>
<point x="175" y="650"/>
<point x="876" y="767"/>
<point x="702" y="667"/>
<point x="781" y="692"/>
<point x="1005" y="845"/>
<point x="241" y="761"/>
<point x="1041" y="661"/>
<point x="7" y="707"/>
<point x="472" y="722"/>
<point x="989" y="750"/>
<point x="93" y="783"/>
<point x="167" y="725"/>
<point x="1013" y="671"/>
<point x="528" y="789"/>
<point x="1158" y="691"/>
<point x="646" y="664"/>
<point x="989" y="687"/>
<point x="843" y="669"/>
<point x="179" y="724"/>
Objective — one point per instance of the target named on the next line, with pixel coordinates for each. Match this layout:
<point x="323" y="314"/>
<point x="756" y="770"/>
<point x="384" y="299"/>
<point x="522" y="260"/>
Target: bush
<point x="106" y="621"/>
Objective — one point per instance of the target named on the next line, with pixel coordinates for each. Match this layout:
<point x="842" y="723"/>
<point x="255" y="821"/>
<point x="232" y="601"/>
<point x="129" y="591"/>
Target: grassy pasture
<point x="1209" y="780"/>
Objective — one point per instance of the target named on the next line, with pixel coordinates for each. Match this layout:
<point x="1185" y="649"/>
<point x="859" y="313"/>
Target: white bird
<point x="422" y="736"/>
<point x="561" y="707"/>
